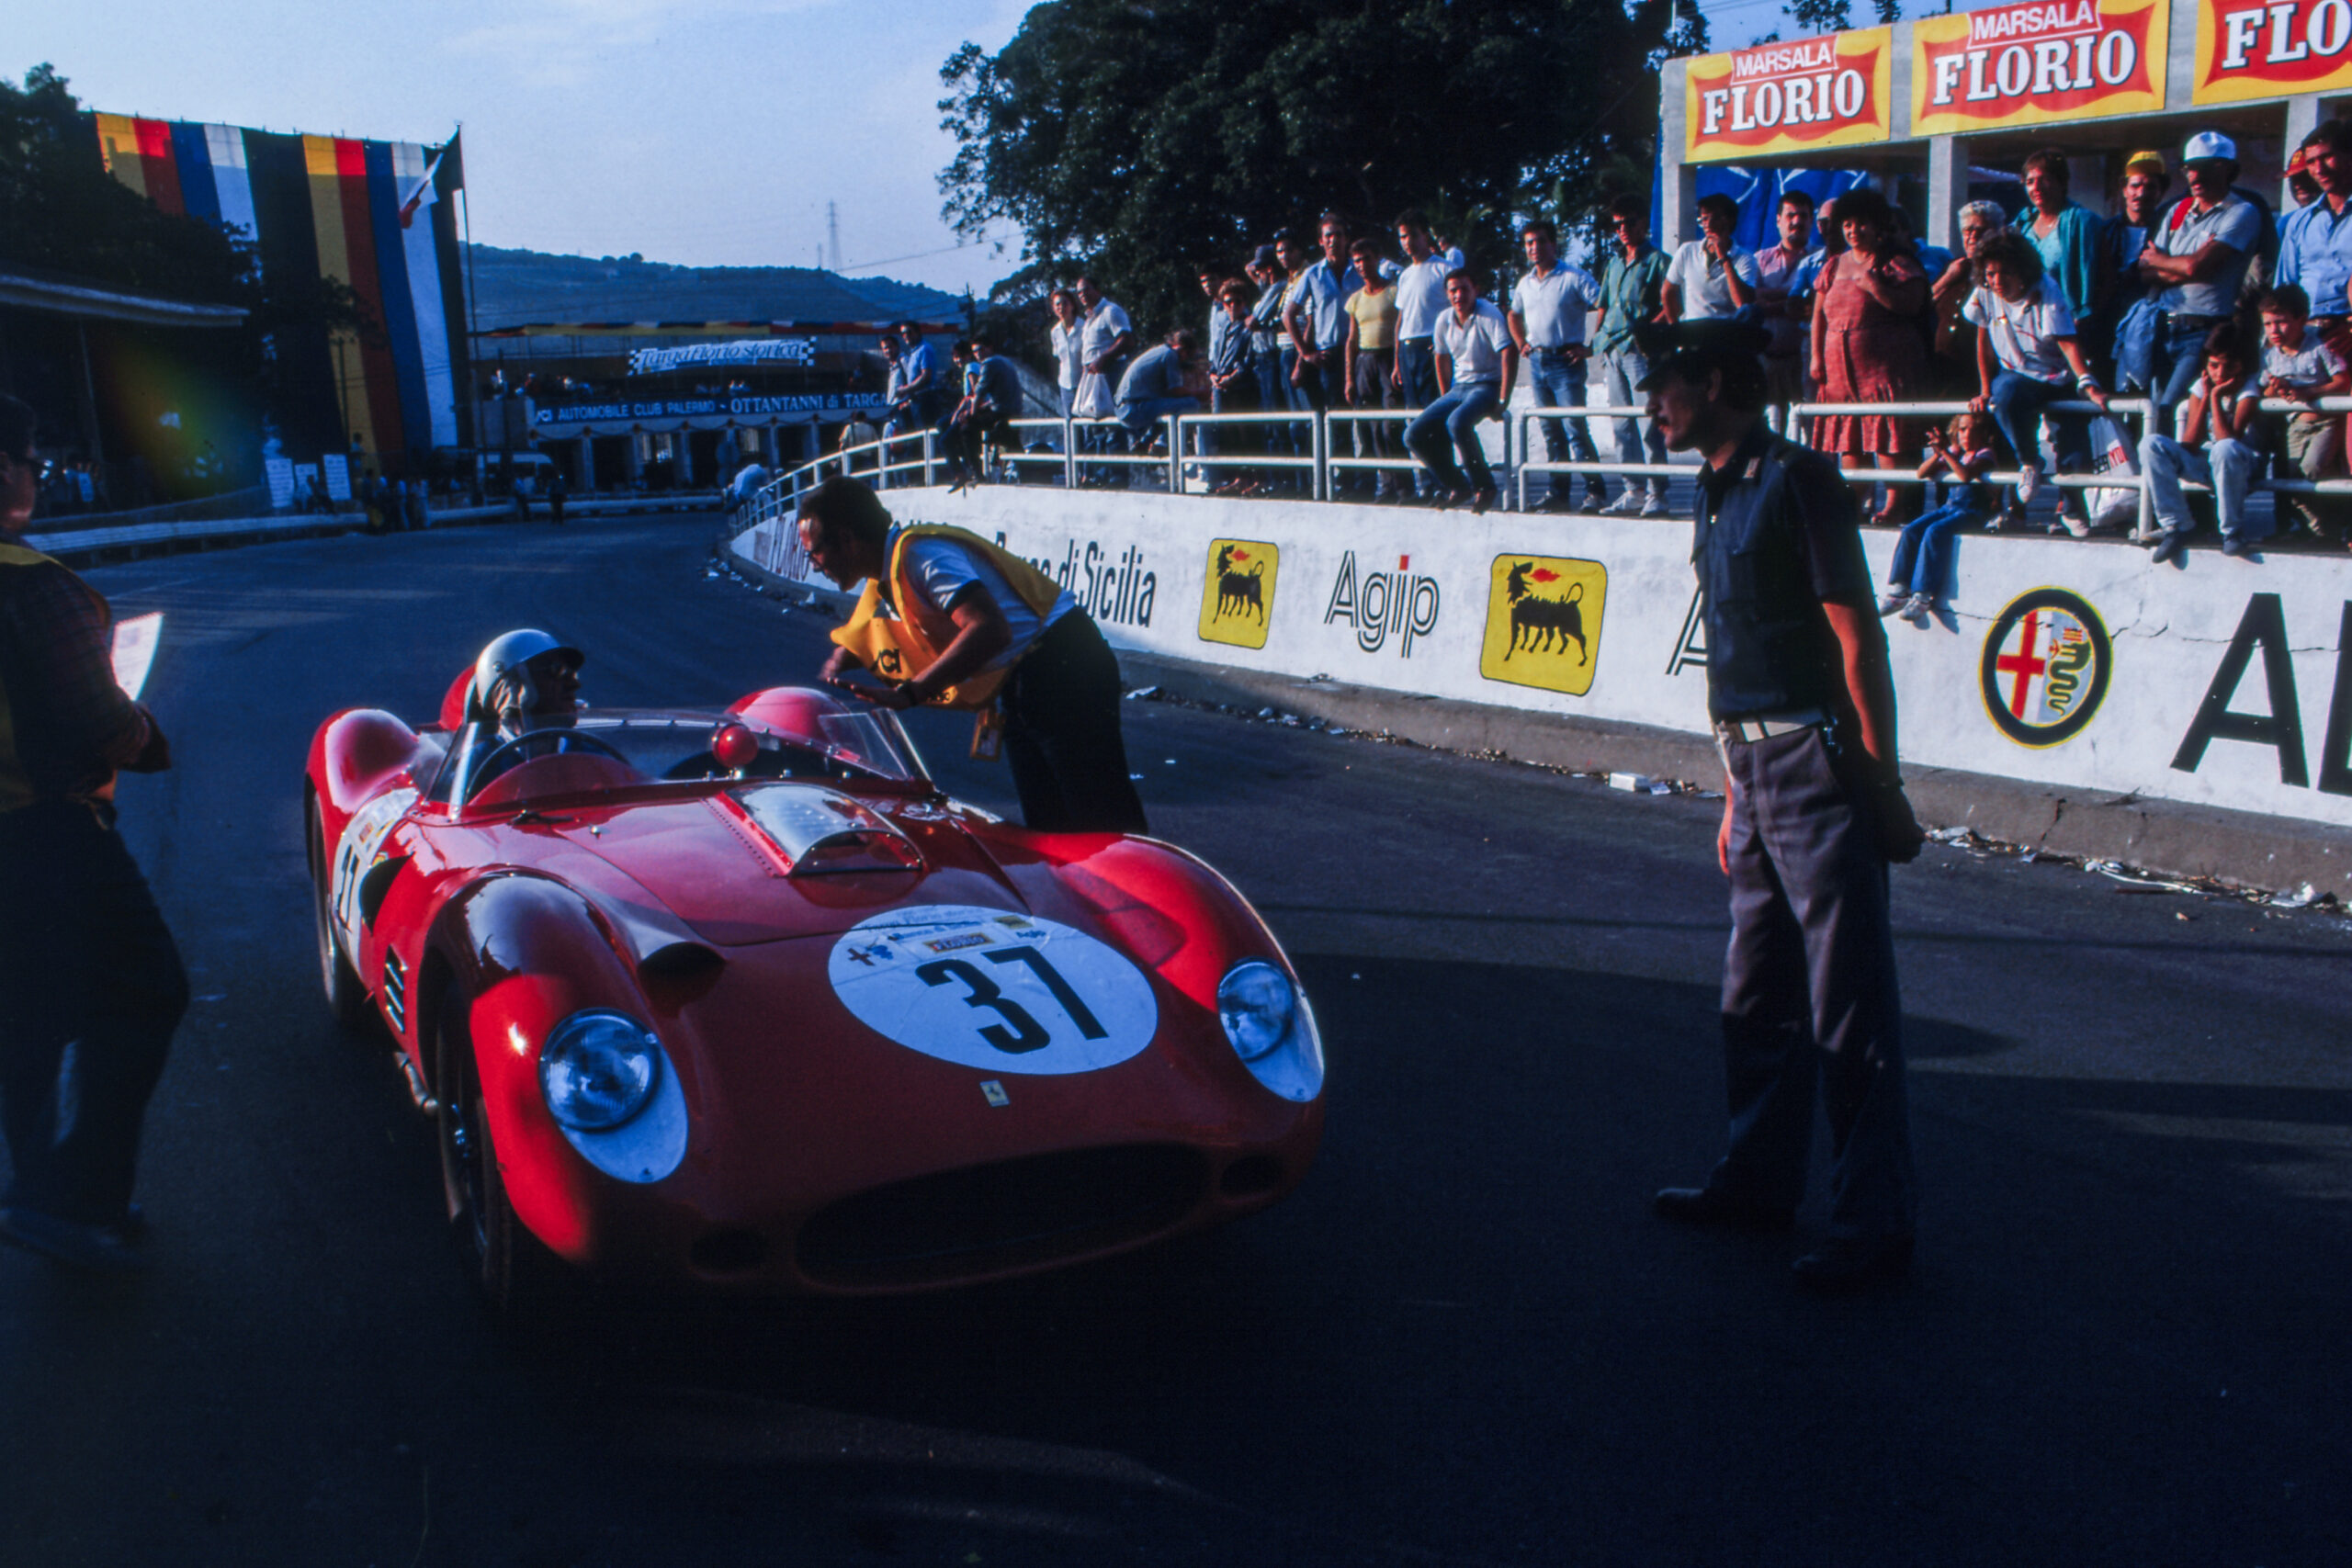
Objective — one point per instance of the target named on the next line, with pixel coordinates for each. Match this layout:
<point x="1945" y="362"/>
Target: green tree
<point x="1138" y="138"/>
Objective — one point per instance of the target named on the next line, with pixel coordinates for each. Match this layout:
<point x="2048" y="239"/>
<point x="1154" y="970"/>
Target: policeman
<point x="950" y="620"/>
<point x="1813" y="809"/>
<point x="86" y="959"/>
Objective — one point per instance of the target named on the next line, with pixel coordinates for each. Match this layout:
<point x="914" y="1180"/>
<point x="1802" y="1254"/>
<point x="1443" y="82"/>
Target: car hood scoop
<point x="768" y="862"/>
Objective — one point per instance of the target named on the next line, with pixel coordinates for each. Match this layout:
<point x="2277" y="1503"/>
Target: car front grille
<point x="988" y="1219"/>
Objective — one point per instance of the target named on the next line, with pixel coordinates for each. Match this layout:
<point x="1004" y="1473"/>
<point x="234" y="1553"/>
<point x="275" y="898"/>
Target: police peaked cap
<point x="1688" y="350"/>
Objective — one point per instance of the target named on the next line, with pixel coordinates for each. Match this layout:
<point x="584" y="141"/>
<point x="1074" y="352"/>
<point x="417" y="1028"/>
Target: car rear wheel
<point x="346" y="998"/>
<point x="515" y="1272"/>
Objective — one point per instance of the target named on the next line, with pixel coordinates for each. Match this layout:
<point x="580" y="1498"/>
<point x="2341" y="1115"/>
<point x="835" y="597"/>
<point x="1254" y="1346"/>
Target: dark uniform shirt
<point x="1777" y="533"/>
<point x="65" y="725"/>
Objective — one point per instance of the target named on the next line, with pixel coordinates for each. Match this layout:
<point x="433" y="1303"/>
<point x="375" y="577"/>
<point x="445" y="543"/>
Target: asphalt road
<point x="1464" y="1340"/>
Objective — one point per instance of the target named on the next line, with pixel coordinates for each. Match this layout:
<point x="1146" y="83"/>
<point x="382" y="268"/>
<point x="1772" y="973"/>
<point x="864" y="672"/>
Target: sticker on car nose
<point x="1004" y="992"/>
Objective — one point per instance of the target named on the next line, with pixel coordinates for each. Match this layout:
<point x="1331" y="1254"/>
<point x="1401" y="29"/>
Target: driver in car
<point x="525" y="683"/>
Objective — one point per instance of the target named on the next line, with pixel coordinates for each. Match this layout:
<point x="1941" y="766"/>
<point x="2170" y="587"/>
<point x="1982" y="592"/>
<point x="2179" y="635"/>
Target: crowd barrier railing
<point x="1190" y="447"/>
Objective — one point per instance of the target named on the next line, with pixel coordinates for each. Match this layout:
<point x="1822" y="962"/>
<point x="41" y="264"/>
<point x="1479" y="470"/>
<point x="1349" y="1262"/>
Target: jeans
<point x="2176" y="359"/>
<point x="2018" y="402"/>
<point x="1558" y="384"/>
<point x="86" y="962"/>
<point x="1454" y="421"/>
<point x="1142" y="417"/>
<point x="1810" y="1004"/>
<point x="2228" y="465"/>
<point x="1923" y="554"/>
<point x="1281" y="440"/>
<point x="1373" y="437"/>
<point x="1417" y="368"/>
<point x="1623" y="369"/>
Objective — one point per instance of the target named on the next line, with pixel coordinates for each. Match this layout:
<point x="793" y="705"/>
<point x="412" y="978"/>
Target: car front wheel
<point x="515" y="1272"/>
<point x="346" y="998"/>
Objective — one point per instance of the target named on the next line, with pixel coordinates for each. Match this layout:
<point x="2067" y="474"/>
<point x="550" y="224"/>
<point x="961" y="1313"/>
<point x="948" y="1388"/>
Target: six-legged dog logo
<point x="1544" y="621"/>
<point x="1238" y="592"/>
<point x="1536" y="619"/>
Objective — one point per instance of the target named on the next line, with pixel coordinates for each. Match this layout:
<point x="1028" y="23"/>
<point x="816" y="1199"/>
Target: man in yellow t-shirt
<point x="1372" y="354"/>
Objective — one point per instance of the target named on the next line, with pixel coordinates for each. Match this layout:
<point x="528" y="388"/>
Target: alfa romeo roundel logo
<point x="2045" y="667"/>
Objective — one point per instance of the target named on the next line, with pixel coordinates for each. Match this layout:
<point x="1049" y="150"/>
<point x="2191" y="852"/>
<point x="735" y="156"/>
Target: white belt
<point x="1754" y="729"/>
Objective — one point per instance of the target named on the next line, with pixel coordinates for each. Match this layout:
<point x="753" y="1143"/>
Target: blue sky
<point x="711" y="132"/>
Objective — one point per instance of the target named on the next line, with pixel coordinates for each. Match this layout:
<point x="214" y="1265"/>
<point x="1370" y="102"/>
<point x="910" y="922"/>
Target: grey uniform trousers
<point x="1810" y="1004"/>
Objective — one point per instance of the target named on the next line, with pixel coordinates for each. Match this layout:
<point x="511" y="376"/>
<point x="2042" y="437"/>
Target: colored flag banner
<point x="2047" y="60"/>
<point x="1791" y="98"/>
<point x="2271" y="50"/>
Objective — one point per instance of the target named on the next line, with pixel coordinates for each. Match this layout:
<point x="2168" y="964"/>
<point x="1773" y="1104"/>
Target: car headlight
<point x="598" y="1070"/>
<point x="1272" y="1028"/>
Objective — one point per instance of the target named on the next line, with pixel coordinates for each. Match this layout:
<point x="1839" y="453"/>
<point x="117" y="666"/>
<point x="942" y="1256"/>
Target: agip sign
<point x="1792" y="98"/>
<point x="2248" y="51"/>
<point x="2047" y="60"/>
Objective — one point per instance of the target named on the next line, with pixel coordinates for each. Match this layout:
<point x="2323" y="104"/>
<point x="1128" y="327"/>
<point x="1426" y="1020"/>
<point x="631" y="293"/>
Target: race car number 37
<point x="986" y="989"/>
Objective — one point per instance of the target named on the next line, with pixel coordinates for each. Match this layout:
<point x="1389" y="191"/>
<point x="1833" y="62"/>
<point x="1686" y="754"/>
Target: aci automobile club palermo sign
<point x="1787" y="97"/>
<point x="2043" y="60"/>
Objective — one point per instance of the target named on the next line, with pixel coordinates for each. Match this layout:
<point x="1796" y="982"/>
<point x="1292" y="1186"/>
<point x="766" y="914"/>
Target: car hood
<point x="736" y="868"/>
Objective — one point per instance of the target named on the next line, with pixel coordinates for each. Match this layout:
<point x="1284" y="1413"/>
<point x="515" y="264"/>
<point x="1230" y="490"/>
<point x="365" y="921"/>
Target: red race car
<point x="740" y="1000"/>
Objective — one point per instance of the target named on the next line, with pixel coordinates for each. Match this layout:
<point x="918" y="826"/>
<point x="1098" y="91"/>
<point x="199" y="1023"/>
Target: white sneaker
<point x="1654" y="507"/>
<point x="2073" y="524"/>
<point x="1919" y="609"/>
<point x="1892" y="602"/>
<point x="2029" y="480"/>
<point x="1624" y="505"/>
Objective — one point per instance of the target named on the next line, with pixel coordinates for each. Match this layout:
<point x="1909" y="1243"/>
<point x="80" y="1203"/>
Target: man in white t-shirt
<point x="1104" y="336"/>
<point x="1476" y="365"/>
<point x="1709" y="276"/>
<point x="1064" y="339"/>
<point x="1548" y="307"/>
<point x="1421" y="300"/>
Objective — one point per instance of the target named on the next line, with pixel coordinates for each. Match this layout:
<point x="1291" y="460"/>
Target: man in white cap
<point x="2196" y="261"/>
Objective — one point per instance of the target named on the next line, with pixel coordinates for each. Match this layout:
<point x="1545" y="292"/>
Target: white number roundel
<point x="991" y="989"/>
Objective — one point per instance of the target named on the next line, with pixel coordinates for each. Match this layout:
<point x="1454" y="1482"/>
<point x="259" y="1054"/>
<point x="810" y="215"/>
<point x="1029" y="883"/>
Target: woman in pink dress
<point x="1869" y="346"/>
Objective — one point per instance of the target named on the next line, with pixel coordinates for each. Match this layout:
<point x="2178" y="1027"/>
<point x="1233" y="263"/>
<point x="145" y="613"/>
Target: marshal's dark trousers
<point x="85" y="963"/>
<point x="1062" y="737"/>
<point x="1810" y="1002"/>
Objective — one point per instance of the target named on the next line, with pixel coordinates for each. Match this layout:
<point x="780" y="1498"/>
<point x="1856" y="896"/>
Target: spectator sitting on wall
<point x="2213" y="450"/>
<point x="1476" y="363"/>
<point x="1921" y="573"/>
<point x="2026" y="357"/>
<point x="993" y="398"/>
<point x="1162" y="381"/>
<point x="2299" y="366"/>
<point x="1712" y="276"/>
<point x="1776" y="268"/>
<point x="2195" y="260"/>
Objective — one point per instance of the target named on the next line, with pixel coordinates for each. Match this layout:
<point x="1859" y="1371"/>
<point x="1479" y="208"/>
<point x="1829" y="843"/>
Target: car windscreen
<point x="642" y="747"/>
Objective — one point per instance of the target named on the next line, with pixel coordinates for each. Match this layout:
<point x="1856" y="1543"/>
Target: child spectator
<point x="1922" y="566"/>
<point x="2028" y="357"/>
<point x="2212" y="449"/>
<point x="2299" y="366"/>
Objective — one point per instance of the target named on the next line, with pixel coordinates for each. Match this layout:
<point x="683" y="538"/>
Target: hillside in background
<point x="513" y="288"/>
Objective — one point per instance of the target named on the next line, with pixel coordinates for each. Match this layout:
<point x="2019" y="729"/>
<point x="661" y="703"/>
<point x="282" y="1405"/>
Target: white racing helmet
<point x="506" y="663"/>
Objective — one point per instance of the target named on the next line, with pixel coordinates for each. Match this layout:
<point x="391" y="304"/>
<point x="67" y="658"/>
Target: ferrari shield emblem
<point x="1544" y="621"/>
<point x="1237" y="594"/>
<point x="2045" y="667"/>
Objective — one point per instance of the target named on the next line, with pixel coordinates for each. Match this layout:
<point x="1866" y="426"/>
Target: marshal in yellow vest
<point x="902" y="647"/>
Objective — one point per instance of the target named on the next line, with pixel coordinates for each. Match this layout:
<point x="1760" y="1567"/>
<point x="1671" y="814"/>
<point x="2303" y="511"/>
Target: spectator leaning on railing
<point x="1372" y="330"/>
<point x="1547" y="317"/>
<point x="2299" y="366"/>
<point x="1633" y="289"/>
<point x="2213" y="449"/>
<point x="2028" y="357"/>
<point x="2195" y="261"/>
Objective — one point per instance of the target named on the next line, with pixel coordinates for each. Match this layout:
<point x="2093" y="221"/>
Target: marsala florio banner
<point x="2270" y="50"/>
<point x="2047" y="60"/>
<point x="1793" y="97"/>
